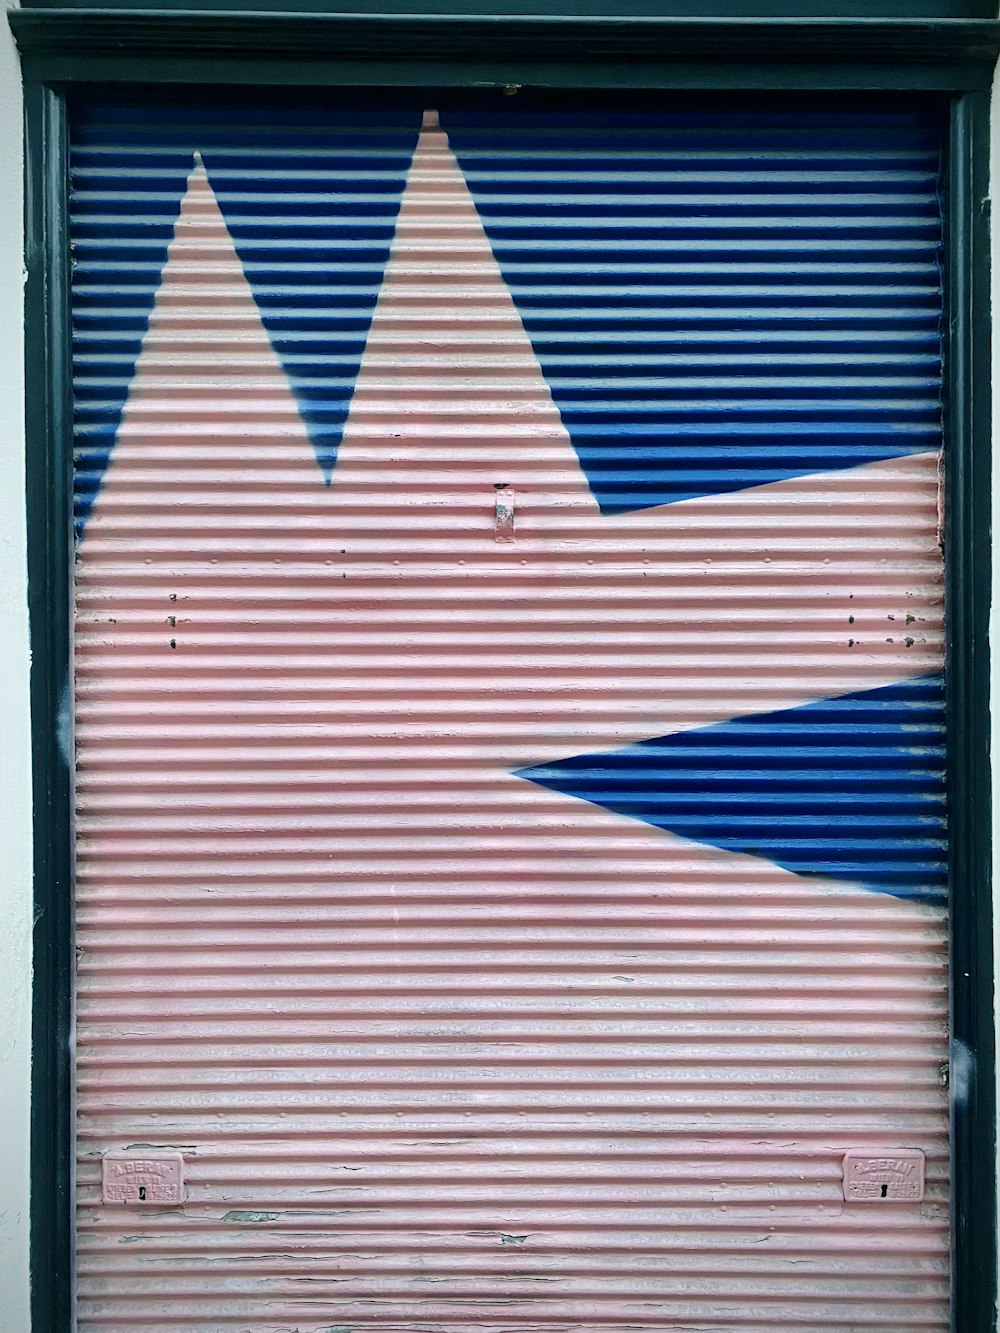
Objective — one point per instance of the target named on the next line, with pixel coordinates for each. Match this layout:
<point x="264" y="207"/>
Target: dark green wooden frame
<point x="71" y="47"/>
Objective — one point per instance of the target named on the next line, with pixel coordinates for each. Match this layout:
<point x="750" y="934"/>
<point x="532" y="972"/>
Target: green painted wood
<point x="967" y="561"/>
<point x="49" y="481"/>
<point x="728" y="9"/>
<point x="84" y="46"/>
<point x="324" y="72"/>
<point x="437" y="39"/>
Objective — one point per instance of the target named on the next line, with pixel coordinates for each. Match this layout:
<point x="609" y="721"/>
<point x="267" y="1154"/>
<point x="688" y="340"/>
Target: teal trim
<point x="417" y="39"/>
<point x="967" y="566"/>
<point x="576" y="9"/>
<point x="49" y="482"/>
<point x="136" y="72"/>
<point x="79" y="48"/>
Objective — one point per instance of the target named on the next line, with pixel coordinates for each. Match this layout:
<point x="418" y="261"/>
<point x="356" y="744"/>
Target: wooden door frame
<point x="67" y="50"/>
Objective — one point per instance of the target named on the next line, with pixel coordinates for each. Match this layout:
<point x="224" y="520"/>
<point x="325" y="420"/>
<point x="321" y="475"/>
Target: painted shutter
<point x="509" y="714"/>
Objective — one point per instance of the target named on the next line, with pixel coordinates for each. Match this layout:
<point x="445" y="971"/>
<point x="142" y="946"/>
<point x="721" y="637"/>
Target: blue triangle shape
<point x="313" y="232"/>
<point x="120" y="229"/>
<point x="310" y="191"/>
<point x="849" y="788"/>
<point x="719" y="298"/>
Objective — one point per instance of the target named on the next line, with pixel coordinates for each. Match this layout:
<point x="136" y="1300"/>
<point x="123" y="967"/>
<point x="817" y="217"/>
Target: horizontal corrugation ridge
<point x="449" y="1048"/>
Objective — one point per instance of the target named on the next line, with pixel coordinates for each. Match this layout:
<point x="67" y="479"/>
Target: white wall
<point x="995" y="609"/>
<point x="15" y="795"/>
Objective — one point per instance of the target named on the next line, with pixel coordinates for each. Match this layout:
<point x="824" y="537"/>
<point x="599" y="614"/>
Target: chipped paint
<point x="325" y="920"/>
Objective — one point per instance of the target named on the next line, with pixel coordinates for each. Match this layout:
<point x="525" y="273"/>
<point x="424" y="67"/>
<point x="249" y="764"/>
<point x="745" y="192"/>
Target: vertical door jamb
<point x="50" y="554"/>
<point x="967" y="565"/>
<point x="48" y="465"/>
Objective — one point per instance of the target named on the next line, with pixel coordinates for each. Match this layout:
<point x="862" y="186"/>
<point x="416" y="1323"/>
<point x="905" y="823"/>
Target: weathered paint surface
<point x="448" y="1043"/>
<point x="15" y="727"/>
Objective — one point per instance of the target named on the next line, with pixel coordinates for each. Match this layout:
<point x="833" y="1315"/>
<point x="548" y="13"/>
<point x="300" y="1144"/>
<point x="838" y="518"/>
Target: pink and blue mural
<point x="516" y="920"/>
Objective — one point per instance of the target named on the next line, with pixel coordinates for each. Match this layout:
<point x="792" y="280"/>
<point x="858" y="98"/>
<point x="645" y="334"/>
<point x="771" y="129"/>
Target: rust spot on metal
<point x="503" y="524"/>
<point x="939" y="535"/>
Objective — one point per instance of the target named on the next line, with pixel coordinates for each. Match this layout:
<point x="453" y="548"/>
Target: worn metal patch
<point x="896" y="1177"/>
<point x="127" y="1178"/>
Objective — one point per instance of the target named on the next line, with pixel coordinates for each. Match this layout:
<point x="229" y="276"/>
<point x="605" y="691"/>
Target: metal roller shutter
<point x="509" y="715"/>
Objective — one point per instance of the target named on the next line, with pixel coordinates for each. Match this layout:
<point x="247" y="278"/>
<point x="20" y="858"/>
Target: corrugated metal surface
<point x="460" y="1021"/>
